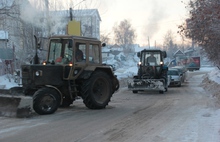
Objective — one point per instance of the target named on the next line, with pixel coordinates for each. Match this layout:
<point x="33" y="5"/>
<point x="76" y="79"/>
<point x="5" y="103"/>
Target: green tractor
<point x="73" y="68"/>
<point x="152" y="73"/>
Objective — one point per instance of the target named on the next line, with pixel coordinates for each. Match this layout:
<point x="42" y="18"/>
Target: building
<point x="89" y="19"/>
<point x="20" y="21"/>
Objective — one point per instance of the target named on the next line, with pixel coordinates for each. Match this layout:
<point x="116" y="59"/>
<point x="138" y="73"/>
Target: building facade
<point x="20" y="21"/>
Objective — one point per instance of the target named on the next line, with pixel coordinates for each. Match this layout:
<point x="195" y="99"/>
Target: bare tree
<point x="124" y="34"/>
<point x="169" y="43"/>
<point x="202" y="26"/>
<point x="105" y="38"/>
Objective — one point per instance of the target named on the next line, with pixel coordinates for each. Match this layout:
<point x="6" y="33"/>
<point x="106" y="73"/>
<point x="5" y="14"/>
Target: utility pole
<point x="48" y="17"/>
<point x="71" y="14"/>
<point x="148" y="42"/>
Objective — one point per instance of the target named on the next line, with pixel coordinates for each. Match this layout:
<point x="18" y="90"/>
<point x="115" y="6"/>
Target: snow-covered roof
<point x="105" y="49"/>
<point x="77" y="13"/>
<point x="178" y="52"/>
<point x="138" y="48"/>
<point x="189" y="50"/>
<point x="86" y="12"/>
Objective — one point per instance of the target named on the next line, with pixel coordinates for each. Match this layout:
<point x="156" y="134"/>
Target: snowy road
<point x="183" y="114"/>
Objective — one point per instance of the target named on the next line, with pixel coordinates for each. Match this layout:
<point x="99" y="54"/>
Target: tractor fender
<point x="61" y="95"/>
<point x="115" y="82"/>
<point x="87" y="73"/>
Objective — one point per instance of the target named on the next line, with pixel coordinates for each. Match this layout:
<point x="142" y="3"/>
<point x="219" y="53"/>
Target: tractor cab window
<point x="68" y="52"/>
<point x="54" y="50"/>
<point x="152" y="58"/>
<point x="94" y="54"/>
<point x="60" y="51"/>
<point x="80" y="50"/>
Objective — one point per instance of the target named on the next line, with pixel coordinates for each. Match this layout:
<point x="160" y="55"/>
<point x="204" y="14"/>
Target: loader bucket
<point x="14" y="104"/>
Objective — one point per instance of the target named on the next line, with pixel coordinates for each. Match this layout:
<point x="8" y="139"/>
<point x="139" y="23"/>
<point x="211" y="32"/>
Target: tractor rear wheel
<point x="46" y="101"/>
<point x="97" y="90"/>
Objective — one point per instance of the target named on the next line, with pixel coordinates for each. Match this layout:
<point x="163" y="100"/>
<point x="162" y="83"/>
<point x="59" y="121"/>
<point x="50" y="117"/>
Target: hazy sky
<point x="150" y="18"/>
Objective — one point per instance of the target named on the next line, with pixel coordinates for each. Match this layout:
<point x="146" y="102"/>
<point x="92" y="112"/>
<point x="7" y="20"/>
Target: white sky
<point x="150" y="18"/>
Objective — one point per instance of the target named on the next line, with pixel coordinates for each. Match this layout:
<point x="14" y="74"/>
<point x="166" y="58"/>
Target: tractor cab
<point x="152" y="73"/>
<point x="151" y="63"/>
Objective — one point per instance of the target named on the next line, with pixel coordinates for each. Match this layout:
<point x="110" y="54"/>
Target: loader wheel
<point x="46" y="101"/>
<point x="97" y="90"/>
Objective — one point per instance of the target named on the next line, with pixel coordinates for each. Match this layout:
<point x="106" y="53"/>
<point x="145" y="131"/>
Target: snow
<point x="7" y="81"/>
<point x="209" y="117"/>
<point x="128" y="69"/>
<point x="214" y="75"/>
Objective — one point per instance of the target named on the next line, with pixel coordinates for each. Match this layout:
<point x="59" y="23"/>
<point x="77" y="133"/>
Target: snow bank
<point x="211" y="84"/>
<point x="214" y="75"/>
<point x="7" y="81"/>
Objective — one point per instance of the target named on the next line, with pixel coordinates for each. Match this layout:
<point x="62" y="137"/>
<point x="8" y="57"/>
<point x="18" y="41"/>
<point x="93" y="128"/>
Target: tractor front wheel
<point x="46" y="101"/>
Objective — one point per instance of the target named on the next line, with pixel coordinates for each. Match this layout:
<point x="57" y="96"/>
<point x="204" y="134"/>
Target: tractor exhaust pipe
<point x="36" y="58"/>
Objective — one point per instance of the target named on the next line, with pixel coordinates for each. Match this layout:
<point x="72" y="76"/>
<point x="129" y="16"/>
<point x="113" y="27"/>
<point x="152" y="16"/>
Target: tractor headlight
<point x="161" y="63"/>
<point x="38" y="73"/>
<point x="139" y="63"/>
<point x="44" y="63"/>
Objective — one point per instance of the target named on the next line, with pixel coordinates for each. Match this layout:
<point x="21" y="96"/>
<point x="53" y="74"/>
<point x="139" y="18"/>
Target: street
<point x="183" y="114"/>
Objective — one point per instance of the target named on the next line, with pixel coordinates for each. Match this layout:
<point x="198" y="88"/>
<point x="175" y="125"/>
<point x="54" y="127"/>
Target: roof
<point x="74" y="37"/>
<point x="178" y="52"/>
<point x="151" y="50"/>
<point x="116" y="46"/>
<point x="6" y="53"/>
<point x="86" y="12"/>
<point x="77" y="13"/>
<point x="189" y="50"/>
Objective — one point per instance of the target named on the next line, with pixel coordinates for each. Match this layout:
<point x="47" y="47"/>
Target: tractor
<point x="152" y="73"/>
<point x="65" y="75"/>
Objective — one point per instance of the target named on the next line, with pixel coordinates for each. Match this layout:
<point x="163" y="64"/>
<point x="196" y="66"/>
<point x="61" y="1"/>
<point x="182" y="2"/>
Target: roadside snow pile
<point x="7" y="81"/>
<point x="211" y="84"/>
